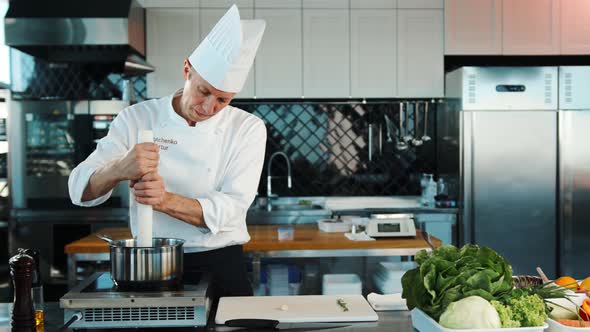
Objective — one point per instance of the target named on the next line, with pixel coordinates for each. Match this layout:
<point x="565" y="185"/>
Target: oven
<point x="47" y="139"/>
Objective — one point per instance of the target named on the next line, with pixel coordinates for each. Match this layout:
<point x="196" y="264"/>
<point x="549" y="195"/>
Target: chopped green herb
<point x="342" y="304"/>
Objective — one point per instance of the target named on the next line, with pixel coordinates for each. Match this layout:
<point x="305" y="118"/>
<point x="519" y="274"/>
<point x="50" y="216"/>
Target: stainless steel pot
<point x="157" y="267"/>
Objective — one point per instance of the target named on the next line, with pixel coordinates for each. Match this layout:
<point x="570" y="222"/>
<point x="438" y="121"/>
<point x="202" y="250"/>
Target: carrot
<point x="573" y="323"/>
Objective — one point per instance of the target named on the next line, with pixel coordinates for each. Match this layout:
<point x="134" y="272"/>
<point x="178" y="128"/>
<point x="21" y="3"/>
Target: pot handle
<point x="106" y="238"/>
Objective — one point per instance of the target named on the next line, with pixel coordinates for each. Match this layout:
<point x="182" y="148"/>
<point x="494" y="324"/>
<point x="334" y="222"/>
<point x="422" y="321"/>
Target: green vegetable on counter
<point x="527" y="310"/>
<point x="472" y="287"/>
<point x="531" y="305"/>
<point x="450" y="274"/>
<point x="505" y="313"/>
<point x="342" y="304"/>
<point x="472" y="312"/>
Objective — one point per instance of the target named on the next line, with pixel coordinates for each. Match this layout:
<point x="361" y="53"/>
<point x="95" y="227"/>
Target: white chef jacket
<point x="217" y="162"/>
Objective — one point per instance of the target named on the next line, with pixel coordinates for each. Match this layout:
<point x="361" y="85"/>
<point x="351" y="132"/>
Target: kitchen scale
<point x="103" y="307"/>
<point x="391" y="225"/>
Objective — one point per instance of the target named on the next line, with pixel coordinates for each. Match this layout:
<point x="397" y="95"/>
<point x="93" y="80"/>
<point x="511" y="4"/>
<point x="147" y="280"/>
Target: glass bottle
<point x="431" y="191"/>
<point x="441" y="187"/>
<point x="423" y="188"/>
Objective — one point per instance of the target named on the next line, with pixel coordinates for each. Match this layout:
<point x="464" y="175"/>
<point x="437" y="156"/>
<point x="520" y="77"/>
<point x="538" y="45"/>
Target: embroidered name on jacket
<point x="163" y="143"/>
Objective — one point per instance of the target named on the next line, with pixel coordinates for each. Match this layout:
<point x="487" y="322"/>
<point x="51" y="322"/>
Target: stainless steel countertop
<point x="388" y="321"/>
<point x="291" y="210"/>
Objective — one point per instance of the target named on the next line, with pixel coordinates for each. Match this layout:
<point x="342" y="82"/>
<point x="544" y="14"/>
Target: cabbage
<point x="472" y="312"/>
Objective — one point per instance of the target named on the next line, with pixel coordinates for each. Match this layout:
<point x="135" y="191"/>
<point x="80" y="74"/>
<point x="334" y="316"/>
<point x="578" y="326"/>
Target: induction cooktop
<point x="102" y="305"/>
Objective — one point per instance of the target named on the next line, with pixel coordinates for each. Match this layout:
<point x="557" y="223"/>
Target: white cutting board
<point x="300" y="309"/>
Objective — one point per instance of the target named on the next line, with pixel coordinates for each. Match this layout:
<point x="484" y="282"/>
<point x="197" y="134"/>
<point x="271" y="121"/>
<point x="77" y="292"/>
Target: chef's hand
<point x="139" y="161"/>
<point x="150" y="190"/>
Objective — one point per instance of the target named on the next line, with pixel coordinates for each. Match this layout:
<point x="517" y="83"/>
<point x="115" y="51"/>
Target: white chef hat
<point x="225" y="56"/>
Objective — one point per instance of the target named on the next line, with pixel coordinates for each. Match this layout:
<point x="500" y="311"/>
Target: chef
<point x="201" y="173"/>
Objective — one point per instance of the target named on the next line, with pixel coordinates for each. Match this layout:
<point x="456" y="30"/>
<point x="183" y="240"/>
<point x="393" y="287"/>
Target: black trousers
<point x="227" y="268"/>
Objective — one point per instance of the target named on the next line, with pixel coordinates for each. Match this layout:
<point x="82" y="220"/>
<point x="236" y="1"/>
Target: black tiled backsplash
<point x="326" y="141"/>
<point x="328" y="145"/>
<point x="34" y="78"/>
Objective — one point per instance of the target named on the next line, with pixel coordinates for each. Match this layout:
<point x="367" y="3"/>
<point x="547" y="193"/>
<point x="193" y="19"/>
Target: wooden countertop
<point x="309" y="237"/>
<point x="265" y="238"/>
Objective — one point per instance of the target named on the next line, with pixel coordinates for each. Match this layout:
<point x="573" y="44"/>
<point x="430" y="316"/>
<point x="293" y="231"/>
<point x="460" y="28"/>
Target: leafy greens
<point x="450" y="274"/>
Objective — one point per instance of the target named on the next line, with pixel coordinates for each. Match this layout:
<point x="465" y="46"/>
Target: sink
<point x="295" y="207"/>
<point x="288" y="211"/>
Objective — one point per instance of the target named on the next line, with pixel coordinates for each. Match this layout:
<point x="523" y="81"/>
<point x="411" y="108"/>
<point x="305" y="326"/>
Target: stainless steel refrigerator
<point x="497" y="133"/>
<point x="574" y="171"/>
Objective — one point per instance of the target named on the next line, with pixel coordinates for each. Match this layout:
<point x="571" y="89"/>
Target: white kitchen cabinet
<point x="473" y="27"/>
<point x="274" y="4"/>
<point x="575" y="27"/>
<point x="208" y="19"/>
<point x="279" y="66"/>
<point x="372" y="4"/>
<point x="421" y="4"/>
<point x="169" y="3"/>
<point x="530" y="27"/>
<point x="325" y="4"/>
<point x="420" y="54"/>
<point x="326" y="53"/>
<point x="225" y="4"/>
<point x="171" y="35"/>
<point x="373" y="64"/>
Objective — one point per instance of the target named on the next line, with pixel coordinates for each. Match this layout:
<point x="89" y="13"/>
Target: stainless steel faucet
<point x="269" y="195"/>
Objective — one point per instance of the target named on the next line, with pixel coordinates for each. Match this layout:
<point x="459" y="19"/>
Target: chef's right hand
<point x="140" y="160"/>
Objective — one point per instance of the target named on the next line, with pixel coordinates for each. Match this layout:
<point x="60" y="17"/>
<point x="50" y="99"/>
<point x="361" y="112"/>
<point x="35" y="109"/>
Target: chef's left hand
<point x="150" y="190"/>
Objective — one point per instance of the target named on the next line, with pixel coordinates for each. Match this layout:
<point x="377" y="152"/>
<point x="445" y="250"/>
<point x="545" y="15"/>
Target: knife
<point x="270" y="324"/>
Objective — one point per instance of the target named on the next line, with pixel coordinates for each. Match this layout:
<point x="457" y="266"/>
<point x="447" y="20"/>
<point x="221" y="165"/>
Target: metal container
<point x="159" y="267"/>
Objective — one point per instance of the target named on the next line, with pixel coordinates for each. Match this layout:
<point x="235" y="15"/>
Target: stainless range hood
<point x="75" y="31"/>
